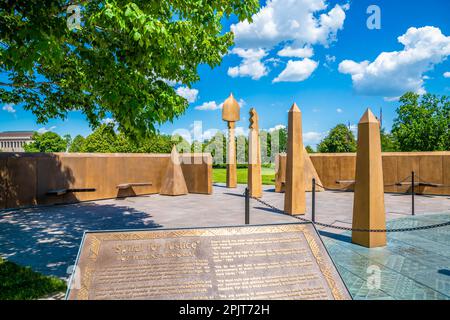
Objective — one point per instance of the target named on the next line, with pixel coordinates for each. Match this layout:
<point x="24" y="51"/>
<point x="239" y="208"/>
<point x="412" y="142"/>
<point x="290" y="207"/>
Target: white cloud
<point x="312" y="137"/>
<point x="295" y="24"/>
<point x="210" y="105"/>
<point x="391" y="99"/>
<point x="274" y="61"/>
<point x="171" y="83"/>
<point x="107" y="121"/>
<point x="209" y="134"/>
<point x="339" y="110"/>
<point x="9" y="108"/>
<point x="277" y="127"/>
<point x="189" y="94"/>
<point x="213" y="105"/>
<point x="298" y="21"/>
<point x="251" y="65"/>
<point x="297" y="71"/>
<point x="306" y="52"/>
<point x="393" y="73"/>
<point x="44" y="130"/>
<point x="241" y="131"/>
<point x="446" y="74"/>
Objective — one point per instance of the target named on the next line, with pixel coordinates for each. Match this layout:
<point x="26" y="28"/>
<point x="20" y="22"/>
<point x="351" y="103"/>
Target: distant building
<point x="13" y="141"/>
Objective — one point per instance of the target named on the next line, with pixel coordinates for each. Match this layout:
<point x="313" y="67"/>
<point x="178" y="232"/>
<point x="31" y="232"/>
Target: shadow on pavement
<point x="48" y="240"/>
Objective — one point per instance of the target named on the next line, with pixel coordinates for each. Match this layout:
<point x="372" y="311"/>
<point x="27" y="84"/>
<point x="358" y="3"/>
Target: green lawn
<point x="22" y="283"/>
<point x="268" y="175"/>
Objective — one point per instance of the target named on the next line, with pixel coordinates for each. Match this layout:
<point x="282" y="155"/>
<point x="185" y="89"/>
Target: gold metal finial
<point x="231" y="109"/>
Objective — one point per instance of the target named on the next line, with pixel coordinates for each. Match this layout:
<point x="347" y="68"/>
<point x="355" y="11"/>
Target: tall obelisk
<point x="254" y="157"/>
<point x="368" y="203"/>
<point x="230" y="114"/>
<point x="294" y="197"/>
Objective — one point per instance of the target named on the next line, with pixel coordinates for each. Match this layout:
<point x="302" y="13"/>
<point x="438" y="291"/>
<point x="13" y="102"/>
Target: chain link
<point x="348" y="228"/>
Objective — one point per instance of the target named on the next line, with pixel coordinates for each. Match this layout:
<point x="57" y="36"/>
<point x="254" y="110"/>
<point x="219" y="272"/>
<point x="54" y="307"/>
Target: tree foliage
<point x="118" y="63"/>
<point x="46" y="142"/>
<point x="77" y="144"/>
<point x="309" y="149"/>
<point x="106" y="140"/>
<point x="339" y="139"/>
<point x="388" y="142"/>
<point x="422" y="123"/>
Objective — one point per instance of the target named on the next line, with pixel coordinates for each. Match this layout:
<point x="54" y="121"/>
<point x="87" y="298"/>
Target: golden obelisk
<point x="294" y="197"/>
<point x="368" y="203"/>
<point x="254" y="157"/>
<point x="230" y="114"/>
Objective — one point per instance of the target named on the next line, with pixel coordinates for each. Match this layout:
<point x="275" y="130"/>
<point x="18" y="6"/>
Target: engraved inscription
<point x="272" y="262"/>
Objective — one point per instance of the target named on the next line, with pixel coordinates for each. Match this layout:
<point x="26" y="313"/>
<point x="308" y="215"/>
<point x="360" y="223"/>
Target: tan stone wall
<point x="25" y="178"/>
<point x="432" y="167"/>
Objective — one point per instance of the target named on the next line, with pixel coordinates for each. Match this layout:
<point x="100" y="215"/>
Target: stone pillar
<point x="230" y="114"/>
<point x="231" y="157"/>
<point x="368" y="203"/>
<point x="294" y="196"/>
<point x="254" y="157"/>
<point x="280" y="172"/>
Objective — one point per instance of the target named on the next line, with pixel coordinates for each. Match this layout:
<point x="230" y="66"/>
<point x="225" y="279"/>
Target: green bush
<point x="22" y="283"/>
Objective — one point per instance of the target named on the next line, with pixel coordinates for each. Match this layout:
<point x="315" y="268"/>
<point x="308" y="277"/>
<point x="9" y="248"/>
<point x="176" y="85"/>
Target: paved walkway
<point x="413" y="265"/>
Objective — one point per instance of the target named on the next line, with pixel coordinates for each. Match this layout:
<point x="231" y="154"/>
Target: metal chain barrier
<point x="389" y="185"/>
<point x="348" y="228"/>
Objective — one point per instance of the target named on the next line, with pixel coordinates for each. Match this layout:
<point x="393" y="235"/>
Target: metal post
<point x="247" y="206"/>
<point x="412" y="193"/>
<point x="313" y="200"/>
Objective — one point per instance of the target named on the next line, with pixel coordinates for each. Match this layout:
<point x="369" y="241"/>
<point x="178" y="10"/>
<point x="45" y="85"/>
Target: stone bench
<point x="61" y="192"/>
<point x="128" y="185"/>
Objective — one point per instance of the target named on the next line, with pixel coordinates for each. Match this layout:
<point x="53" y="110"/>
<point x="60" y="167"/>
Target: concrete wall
<point x="433" y="167"/>
<point x="25" y="178"/>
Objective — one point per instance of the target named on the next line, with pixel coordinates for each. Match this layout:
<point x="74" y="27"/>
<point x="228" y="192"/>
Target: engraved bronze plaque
<point x="282" y="261"/>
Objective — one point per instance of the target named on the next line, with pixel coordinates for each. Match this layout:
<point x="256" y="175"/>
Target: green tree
<point x="339" y="139"/>
<point x="422" y="123"/>
<point x="46" y="142"/>
<point x="388" y="143"/>
<point x="102" y="140"/>
<point x="118" y="62"/>
<point x="309" y="149"/>
<point x="282" y="138"/>
<point x="77" y="144"/>
<point x="106" y="140"/>
<point x="163" y="143"/>
<point x="217" y="146"/>
<point x="68" y="139"/>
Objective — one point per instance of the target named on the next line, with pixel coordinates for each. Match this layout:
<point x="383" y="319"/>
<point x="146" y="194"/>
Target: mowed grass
<point x="268" y="175"/>
<point x="22" y="283"/>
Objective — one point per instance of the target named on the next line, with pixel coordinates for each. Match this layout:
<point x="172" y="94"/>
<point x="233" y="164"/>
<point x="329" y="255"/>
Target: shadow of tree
<point x="48" y="238"/>
<point x="25" y="179"/>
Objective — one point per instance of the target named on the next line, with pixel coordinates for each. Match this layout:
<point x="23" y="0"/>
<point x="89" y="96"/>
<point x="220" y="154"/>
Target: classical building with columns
<point x="13" y="141"/>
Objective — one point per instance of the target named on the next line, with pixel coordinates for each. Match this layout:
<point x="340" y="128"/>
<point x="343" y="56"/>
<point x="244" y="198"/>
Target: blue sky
<point x="319" y="54"/>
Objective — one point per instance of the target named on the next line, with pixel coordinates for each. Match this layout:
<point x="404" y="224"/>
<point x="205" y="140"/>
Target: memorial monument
<point x="230" y="114"/>
<point x="309" y="169"/>
<point x="368" y="203"/>
<point x="294" y="196"/>
<point x="254" y="157"/>
<point x="173" y="183"/>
